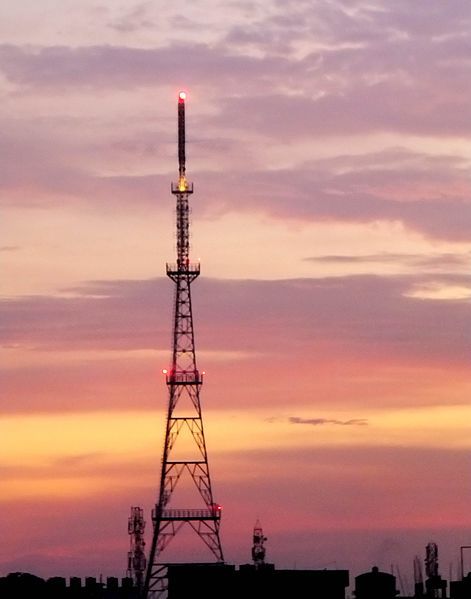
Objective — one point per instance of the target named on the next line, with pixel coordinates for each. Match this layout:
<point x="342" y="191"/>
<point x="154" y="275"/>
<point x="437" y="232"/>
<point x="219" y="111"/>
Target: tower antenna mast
<point x="185" y="460"/>
<point x="258" y="548"/>
<point x="136" y="555"/>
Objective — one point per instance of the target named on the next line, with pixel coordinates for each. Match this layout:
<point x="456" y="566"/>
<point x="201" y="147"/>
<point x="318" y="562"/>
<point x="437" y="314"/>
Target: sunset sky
<point x="329" y="142"/>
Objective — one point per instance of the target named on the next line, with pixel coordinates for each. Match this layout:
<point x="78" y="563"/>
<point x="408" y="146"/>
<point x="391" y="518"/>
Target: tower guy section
<point x="185" y="455"/>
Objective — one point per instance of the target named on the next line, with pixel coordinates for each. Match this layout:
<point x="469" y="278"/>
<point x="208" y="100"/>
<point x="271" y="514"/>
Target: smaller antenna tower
<point x="136" y="555"/>
<point x="431" y="560"/>
<point x="258" y="549"/>
<point x="435" y="585"/>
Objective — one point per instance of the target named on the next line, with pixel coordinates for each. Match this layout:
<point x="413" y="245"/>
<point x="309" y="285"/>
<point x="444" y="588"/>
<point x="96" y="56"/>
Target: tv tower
<point x="189" y="458"/>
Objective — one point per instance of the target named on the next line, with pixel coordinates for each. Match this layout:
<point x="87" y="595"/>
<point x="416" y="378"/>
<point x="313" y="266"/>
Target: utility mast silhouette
<point x="258" y="549"/>
<point x="187" y="459"/>
<point x="136" y="555"/>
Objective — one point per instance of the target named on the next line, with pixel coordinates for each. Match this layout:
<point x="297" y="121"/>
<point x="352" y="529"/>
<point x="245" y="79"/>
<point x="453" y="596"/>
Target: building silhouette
<point x="19" y="585"/>
<point x="375" y="585"/>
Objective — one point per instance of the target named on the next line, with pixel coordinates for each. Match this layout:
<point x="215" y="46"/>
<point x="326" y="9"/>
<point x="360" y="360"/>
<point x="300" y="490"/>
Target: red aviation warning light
<point x="182" y="96"/>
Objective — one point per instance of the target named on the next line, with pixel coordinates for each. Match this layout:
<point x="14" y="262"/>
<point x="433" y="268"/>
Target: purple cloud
<point x="374" y="71"/>
<point x="121" y="66"/>
<point x="382" y="341"/>
<point x="366" y="311"/>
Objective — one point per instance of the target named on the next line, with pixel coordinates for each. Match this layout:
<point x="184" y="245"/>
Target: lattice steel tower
<point x="189" y="459"/>
<point x="136" y="556"/>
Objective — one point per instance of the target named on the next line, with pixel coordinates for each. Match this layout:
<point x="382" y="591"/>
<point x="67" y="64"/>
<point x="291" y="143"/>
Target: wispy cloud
<point x="432" y="261"/>
<point x="137" y="18"/>
<point x="427" y="194"/>
<point x="323" y="421"/>
<point x="78" y="460"/>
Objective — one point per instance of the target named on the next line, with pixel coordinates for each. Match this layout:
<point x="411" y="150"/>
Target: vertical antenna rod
<point x="181" y="134"/>
<point x="187" y="460"/>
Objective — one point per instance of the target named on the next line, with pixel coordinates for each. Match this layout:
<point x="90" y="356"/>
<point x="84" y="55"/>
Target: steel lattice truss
<point x="136" y="555"/>
<point x="184" y="417"/>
